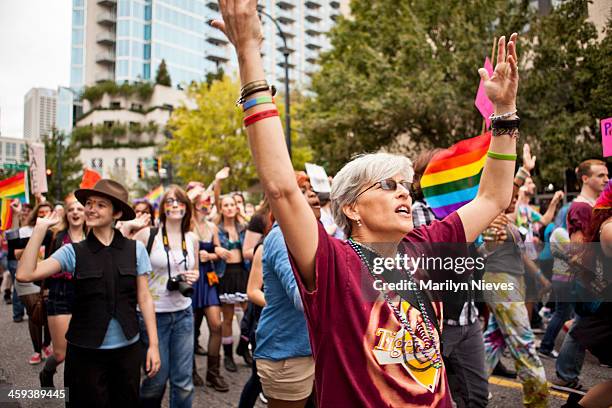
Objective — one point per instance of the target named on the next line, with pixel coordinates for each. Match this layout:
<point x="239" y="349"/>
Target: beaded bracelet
<point x="249" y="120"/>
<point x="257" y="101"/>
<point x="501" y="156"/>
<point x="506" y="115"/>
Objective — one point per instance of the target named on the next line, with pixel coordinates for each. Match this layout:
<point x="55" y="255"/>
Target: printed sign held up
<point x="38" y="168"/>
<point x="606" y="136"/>
<point x="318" y="178"/>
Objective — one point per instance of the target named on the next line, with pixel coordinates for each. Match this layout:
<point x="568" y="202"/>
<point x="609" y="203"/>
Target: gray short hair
<point x="360" y="172"/>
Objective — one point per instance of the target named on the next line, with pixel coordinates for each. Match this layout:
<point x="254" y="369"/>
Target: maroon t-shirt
<point x="578" y="217"/>
<point x="357" y="343"/>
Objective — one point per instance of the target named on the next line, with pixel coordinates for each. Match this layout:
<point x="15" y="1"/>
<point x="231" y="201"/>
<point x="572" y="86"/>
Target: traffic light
<point x="140" y="169"/>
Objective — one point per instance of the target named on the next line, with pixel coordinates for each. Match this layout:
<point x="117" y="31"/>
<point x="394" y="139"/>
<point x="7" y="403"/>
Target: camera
<point x="179" y="283"/>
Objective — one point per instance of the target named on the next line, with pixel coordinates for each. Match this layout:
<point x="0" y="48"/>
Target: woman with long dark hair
<point x="173" y="250"/>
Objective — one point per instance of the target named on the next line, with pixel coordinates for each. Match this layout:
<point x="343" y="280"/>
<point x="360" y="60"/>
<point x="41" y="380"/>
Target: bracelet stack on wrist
<point x="254" y="87"/>
<point x="502" y="125"/>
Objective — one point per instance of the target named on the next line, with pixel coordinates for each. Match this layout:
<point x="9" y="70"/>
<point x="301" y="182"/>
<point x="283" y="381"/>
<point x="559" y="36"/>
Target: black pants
<point x="98" y="378"/>
<point x="464" y="358"/>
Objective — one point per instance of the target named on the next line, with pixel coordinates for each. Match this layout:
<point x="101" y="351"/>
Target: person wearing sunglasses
<point x="173" y="250"/>
<point x="367" y="353"/>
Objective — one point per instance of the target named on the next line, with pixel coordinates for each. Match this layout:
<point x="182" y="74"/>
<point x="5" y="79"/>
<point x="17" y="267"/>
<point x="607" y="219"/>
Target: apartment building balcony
<point x="107" y="19"/>
<point x="217" y="40"/>
<point x="213" y="5"/>
<point x="105" y="58"/>
<point x="282" y="65"/>
<point x="105" y="76"/>
<point x="289" y="50"/>
<point x="312" y="43"/>
<point x="286" y="20"/>
<point x="107" y="3"/>
<point x="217" y="58"/>
<point x="334" y="4"/>
<point x="312" y="18"/>
<point x="312" y="4"/>
<point x="285" y="13"/>
<point x="311" y="56"/>
<point x="106" y="38"/>
<point x="313" y="29"/>
<point x="285" y="4"/>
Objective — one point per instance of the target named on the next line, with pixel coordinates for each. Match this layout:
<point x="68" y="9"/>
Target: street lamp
<point x="287" y="101"/>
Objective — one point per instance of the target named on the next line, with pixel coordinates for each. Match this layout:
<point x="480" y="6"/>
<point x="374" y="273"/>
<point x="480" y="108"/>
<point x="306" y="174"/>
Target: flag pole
<point x="493" y="62"/>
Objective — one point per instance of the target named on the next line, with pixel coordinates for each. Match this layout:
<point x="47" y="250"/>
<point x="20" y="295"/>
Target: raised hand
<point x="222" y="174"/>
<point x="48" y="221"/>
<point x="16" y="206"/>
<point x="528" y="160"/>
<point x="240" y="24"/>
<point x="502" y="86"/>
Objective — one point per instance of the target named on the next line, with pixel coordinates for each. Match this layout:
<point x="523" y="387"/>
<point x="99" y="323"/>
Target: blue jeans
<point x="571" y="357"/>
<point x="18" y="307"/>
<point x="563" y="311"/>
<point x="175" y="333"/>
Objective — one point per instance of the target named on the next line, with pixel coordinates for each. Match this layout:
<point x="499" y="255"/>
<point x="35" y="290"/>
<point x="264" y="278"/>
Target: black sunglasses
<point x="390" y="185"/>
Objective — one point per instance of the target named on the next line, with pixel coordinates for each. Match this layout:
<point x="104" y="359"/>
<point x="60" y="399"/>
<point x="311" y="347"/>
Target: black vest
<point x="105" y="287"/>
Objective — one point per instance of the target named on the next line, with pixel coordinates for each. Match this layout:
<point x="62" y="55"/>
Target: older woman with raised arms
<point x="383" y="353"/>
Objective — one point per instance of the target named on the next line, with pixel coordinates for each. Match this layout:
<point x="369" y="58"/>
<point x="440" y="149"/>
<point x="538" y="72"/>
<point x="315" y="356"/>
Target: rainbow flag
<point x="452" y="176"/>
<point x="154" y="195"/>
<point x="11" y="188"/>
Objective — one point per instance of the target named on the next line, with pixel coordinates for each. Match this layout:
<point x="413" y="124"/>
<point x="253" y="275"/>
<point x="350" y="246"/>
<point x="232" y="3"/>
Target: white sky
<point x="34" y="52"/>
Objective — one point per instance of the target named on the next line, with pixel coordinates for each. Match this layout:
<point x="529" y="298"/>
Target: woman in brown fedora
<point x="103" y="357"/>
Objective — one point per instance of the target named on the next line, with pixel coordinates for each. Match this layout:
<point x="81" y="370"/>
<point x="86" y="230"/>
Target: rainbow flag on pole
<point x="452" y="176"/>
<point x="11" y="188"/>
<point x="154" y="195"/>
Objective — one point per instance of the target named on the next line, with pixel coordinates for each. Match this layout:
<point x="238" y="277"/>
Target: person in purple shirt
<point x="367" y="353"/>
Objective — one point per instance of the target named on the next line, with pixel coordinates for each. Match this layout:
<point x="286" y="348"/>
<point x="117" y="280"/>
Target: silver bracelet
<point x="494" y="117"/>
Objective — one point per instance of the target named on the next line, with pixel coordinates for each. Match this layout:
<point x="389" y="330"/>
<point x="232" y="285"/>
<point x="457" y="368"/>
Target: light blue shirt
<point x="282" y="332"/>
<point x="114" y="337"/>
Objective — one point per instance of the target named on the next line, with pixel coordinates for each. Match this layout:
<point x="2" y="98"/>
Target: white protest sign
<point x="318" y="178"/>
<point x="38" y="168"/>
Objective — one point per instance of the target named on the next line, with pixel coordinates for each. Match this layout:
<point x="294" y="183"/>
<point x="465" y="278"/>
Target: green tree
<point x="72" y="168"/>
<point x="567" y="89"/>
<point x="208" y="138"/>
<point x="402" y="70"/>
<point x="163" y="76"/>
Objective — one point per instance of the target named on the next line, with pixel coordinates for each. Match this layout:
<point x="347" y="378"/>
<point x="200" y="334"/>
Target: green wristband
<point x="501" y="156"/>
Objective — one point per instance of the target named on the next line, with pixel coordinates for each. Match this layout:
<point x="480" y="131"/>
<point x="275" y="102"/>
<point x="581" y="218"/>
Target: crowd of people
<point x="119" y="294"/>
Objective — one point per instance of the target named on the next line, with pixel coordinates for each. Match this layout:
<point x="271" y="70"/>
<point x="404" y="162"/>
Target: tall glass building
<point x="125" y="40"/>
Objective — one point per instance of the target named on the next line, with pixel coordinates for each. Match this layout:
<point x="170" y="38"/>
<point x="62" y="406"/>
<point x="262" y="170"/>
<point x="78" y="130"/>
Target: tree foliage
<point x="72" y="168"/>
<point x="163" y="76"/>
<point x="567" y="89"/>
<point x="404" y="70"/>
<point x="211" y="137"/>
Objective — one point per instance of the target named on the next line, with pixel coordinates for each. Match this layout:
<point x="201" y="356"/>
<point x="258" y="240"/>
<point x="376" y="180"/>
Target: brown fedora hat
<point x="113" y="191"/>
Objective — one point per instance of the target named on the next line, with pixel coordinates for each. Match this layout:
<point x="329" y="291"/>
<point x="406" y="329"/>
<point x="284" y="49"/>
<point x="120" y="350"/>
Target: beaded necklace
<point x="429" y="348"/>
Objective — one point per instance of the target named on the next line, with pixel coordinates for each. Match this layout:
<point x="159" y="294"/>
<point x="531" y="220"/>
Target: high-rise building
<point x="125" y="40"/>
<point x="40" y="106"/>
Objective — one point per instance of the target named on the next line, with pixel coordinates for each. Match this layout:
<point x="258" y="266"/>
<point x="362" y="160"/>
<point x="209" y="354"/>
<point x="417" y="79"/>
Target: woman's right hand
<point x="223" y="253"/>
<point x="48" y="221"/>
<point x="204" y="255"/>
<point x="240" y="24"/>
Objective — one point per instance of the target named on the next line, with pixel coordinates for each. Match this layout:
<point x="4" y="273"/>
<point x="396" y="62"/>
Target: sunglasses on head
<point x="389" y="185"/>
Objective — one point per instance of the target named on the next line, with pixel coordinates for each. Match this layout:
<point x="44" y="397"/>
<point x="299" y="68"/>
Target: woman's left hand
<point x="192" y="277"/>
<point x="153" y="363"/>
<point x="502" y="86"/>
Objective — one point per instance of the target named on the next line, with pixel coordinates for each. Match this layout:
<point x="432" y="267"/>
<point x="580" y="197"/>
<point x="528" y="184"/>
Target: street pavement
<point x="16" y="348"/>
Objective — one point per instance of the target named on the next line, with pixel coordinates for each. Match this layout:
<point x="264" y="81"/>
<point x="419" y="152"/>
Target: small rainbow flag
<point x="11" y="188"/>
<point x="154" y="195"/>
<point x="452" y="176"/>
